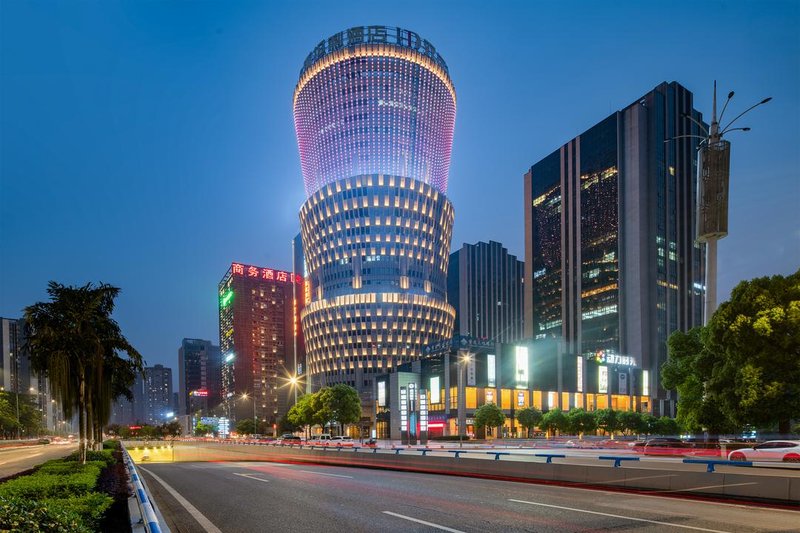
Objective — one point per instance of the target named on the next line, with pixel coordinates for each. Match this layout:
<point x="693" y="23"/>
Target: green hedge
<point x="31" y="516"/>
<point x="90" y="507"/>
<point x="40" y="486"/>
<point x="59" y="496"/>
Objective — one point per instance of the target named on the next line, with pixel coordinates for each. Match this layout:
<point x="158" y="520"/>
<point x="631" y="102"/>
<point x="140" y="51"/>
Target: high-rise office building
<point x="259" y="310"/>
<point x="611" y="263"/>
<point x="484" y="284"/>
<point x="374" y="113"/>
<point x="152" y="395"/>
<point x="16" y="375"/>
<point x="199" y="376"/>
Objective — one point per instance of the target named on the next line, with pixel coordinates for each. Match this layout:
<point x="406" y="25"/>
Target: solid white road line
<point x="251" y="476"/>
<point x="324" y="474"/>
<point x="423" y="522"/>
<point x="204" y="522"/>
<point x="619" y="516"/>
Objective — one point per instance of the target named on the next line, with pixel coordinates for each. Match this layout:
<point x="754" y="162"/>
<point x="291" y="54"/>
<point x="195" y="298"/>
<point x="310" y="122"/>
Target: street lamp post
<point x="463" y="360"/>
<point x="255" y="420"/>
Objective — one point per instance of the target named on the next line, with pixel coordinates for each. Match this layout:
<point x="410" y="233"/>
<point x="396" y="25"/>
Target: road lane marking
<point x="324" y="474"/>
<point x="251" y="476"/>
<point x="423" y="522"/>
<point x="619" y="516"/>
<point x="204" y="522"/>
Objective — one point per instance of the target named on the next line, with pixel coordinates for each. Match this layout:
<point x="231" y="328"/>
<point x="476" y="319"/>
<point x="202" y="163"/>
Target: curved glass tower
<point x="374" y="113"/>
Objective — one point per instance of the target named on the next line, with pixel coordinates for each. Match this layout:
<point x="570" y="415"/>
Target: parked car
<point x="288" y="438"/>
<point x="772" y="450"/>
<point x="341" y="441"/>
<point x="667" y="446"/>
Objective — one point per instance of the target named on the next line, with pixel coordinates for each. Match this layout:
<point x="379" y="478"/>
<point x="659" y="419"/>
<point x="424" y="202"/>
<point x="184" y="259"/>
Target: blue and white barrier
<point x="149" y="517"/>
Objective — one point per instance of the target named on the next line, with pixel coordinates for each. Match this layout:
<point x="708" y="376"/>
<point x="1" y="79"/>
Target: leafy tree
<point x="343" y="404"/>
<point x="320" y="409"/>
<point x="554" y="420"/>
<point x="649" y="424"/>
<point x="667" y="426"/>
<point x="686" y="372"/>
<point x="301" y="414"/>
<point x="201" y="430"/>
<point x="74" y="342"/>
<point x="529" y="418"/>
<point x="581" y="421"/>
<point x="172" y="429"/>
<point x="489" y="415"/>
<point x="631" y="422"/>
<point x="246" y="426"/>
<point x="752" y="354"/>
<point x="607" y="420"/>
<point x="286" y="426"/>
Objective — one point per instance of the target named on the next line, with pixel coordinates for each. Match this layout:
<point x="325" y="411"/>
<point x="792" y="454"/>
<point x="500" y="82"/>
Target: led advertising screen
<point x="382" y="394"/>
<point x="436" y="390"/>
<point x="521" y="353"/>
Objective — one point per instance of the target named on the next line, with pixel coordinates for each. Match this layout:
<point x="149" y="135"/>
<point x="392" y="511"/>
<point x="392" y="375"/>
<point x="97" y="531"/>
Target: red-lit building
<point x="260" y="341"/>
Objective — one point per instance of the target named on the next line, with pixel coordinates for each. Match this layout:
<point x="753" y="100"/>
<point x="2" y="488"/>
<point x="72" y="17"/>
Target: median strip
<point x="423" y="522"/>
<point x="619" y="516"/>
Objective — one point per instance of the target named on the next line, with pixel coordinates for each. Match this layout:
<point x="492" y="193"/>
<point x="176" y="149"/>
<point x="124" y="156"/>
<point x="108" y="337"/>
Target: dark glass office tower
<point x="611" y="265"/>
<point x="199" y="376"/>
<point x="484" y="284"/>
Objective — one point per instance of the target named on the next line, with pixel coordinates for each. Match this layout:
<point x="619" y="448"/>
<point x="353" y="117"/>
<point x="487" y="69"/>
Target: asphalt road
<point x="254" y="496"/>
<point x="17" y="460"/>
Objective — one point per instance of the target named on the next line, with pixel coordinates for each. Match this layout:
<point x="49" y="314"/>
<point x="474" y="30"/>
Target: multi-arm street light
<point x="713" y="176"/>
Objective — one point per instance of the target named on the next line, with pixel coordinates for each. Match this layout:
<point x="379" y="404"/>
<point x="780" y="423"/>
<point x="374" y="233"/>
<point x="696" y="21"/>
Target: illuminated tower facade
<point x="374" y="113"/>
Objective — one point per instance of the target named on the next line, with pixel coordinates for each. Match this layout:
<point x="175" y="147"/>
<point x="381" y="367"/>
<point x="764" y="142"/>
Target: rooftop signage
<point x="456" y="343"/>
<point x="373" y="35"/>
<point x="249" y="271"/>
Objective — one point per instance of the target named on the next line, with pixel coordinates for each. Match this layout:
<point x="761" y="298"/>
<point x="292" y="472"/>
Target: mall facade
<point x="441" y="392"/>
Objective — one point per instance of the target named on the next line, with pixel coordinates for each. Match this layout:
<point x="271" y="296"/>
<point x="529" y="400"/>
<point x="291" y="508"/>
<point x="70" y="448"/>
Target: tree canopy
<point x="529" y="418"/>
<point x="743" y="368"/>
<point x="581" y="421"/>
<point x="554" y="420"/>
<point x="489" y="415"/>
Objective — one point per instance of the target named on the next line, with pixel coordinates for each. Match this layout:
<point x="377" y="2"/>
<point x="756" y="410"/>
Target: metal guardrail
<point x="149" y="517"/>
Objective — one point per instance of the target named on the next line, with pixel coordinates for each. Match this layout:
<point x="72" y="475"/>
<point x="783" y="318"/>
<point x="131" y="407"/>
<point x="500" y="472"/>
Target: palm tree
<point x="74" y="342"/>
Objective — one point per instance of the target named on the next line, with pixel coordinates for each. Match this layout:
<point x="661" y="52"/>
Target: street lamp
<point x="463" y="360"/>
<point x="255" y="420"/>
<point x="294" y="381"/>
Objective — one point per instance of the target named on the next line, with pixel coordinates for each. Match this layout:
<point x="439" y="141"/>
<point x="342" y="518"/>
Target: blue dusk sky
<point x="149" y="144"/>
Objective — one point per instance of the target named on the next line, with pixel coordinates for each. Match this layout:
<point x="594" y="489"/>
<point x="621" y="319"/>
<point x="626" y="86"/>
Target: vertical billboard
<point x="521" y="364"/>
<point x="602" y="379"/>
<point x="491" y="370"/>
<point x="381" y="394"/>
<point x="436" y="390"/>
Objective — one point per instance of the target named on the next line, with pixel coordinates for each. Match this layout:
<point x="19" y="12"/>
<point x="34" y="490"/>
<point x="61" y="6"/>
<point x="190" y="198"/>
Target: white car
<point x="771" y="450"/>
